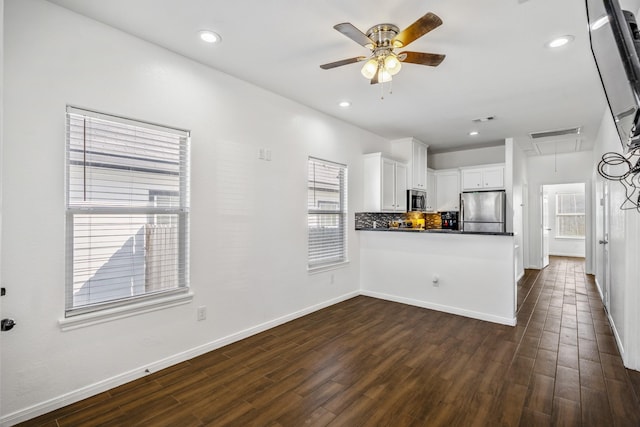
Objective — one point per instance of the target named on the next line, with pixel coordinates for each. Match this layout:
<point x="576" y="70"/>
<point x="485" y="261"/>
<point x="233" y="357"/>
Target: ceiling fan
<point x="382" y="40"/>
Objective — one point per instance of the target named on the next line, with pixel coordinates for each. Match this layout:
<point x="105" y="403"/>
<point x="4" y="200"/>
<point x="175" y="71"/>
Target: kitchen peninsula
<point x="469" y="274"/>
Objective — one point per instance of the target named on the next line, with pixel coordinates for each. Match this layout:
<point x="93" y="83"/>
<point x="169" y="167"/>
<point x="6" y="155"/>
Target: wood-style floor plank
<point x="377" y="363"/>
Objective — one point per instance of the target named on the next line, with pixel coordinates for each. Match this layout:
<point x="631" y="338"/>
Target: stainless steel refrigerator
<point x="483" y="211"/>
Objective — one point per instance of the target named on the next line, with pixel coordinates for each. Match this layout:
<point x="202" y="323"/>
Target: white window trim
<point x="327" y="267"/>
<point x="559" y="215"/>
<point x="117" y="309"/>
<point x="319" y="268"/>
<point x="121" y="312"/>
<point x="569" y="238"/>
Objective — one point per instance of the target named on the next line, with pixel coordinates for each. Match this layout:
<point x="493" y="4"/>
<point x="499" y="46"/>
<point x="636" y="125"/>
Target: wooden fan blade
<point x="349" y="30"/>
<point x="342" y="62"/>
<point x="432" y="59"/>
<point x="374" y="79"/>
<point x="416" y="30"/>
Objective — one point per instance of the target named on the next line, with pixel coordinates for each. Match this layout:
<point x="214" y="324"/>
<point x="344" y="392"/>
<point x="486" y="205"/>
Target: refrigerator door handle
<point x="461" y="213"/>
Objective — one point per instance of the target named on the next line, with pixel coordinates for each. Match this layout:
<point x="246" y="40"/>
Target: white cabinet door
<point x="483" y="178"/>
<point x="431" y="191"/>
<point x="388" y="185"/>
<point x="413" y="153"/>
<point x="385" y="184"/>
<point x="493" y="177"/>
<point x="472" y="179"/>
<point x="401" y="187"/>
<point x="447" y="191"/>
<point x="419" y="166"/>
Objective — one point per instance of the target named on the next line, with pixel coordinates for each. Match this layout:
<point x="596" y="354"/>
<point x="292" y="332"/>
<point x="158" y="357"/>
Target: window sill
<point x="108" y="315"/>
<point x="328" y="267"/>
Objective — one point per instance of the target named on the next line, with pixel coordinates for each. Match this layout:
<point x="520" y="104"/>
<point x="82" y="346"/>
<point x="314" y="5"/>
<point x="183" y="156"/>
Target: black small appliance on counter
<point x="449" y="220"/>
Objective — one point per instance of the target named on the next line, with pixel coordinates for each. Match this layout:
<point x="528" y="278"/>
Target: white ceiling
<point x="496" y="65"/>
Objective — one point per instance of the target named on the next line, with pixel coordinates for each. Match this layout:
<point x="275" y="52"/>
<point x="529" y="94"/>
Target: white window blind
<point x="127" y="211"/>
<point x="327" y="213"/>
<point x="570" y="218"/>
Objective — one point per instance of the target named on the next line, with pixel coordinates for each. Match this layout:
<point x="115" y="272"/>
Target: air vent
<point x="484" y="119"/>
<point x="551" y="133"/>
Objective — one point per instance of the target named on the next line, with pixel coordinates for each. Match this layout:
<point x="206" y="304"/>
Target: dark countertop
<point x="434" y="230"/>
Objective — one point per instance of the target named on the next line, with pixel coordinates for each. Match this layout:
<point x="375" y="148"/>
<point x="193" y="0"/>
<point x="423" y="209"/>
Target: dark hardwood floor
<point x="376" y="363"/>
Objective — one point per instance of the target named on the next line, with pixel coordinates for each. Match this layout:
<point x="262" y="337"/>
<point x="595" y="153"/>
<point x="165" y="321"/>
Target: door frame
<point x="544" y="226"/>
<point x="588" y="217"/>
<point x="604" y="241"/>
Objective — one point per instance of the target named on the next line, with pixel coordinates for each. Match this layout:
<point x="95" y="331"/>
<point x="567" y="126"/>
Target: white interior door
<point x="545" y="228"/>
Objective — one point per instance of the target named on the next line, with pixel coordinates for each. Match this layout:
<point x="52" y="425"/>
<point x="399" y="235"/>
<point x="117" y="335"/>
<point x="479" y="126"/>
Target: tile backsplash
<point x="382" y="219"/>
<point x="365" y="219"/>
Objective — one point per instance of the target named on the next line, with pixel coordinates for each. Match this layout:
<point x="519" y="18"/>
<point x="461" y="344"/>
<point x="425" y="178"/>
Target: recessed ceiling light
<point x="473" y="133"/>
<point x="560" y="41"/>
<point x="209" y="36"/>
<point x="345" y="104"/>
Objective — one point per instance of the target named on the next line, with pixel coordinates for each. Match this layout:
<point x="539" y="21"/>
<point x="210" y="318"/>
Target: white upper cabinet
<point x="414" y="153"/>
<point x="447" y="190"/>
<point x="385" y="184"/>
<point x="401" y="186"/>
<point x="483" y="178"/>
<point x="494" y="177"/>
<point x="419" y="166"/>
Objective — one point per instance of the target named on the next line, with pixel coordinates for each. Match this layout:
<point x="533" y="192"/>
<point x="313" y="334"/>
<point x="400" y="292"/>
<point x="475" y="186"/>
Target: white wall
<point x="624" y="250"/>
<point x="1" y="139"/>
<point x="562" y="246"/>
<point x="462" y="158"/>
<point x="248" y="216"/>
<point x="545" y="170"/>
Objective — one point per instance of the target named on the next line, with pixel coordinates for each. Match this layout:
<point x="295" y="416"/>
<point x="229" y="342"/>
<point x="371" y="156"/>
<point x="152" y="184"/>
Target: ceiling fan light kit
<point x="369" y="68"/>
<point x="382" y="39"/>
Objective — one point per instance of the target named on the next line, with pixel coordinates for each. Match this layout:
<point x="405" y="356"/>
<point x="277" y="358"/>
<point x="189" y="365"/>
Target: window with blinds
<point x="327" y="213"/>
<point x="570" y="215"/>
<point x="127" y="207"/>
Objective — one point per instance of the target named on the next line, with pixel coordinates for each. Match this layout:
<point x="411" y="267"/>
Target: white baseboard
<point x="571" y="255"/>
<point x="520" y="276"/>
<point x="617" y="337"/>
<point x="109" y="383"/>
<point x="444" y="308"/>
<point x="599" y="288"/>
<point x="612" y="324"/>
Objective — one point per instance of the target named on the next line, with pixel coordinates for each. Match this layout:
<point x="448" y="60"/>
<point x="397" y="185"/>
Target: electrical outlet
<point x="202" y="313"/>
<point x="261" y="154"/>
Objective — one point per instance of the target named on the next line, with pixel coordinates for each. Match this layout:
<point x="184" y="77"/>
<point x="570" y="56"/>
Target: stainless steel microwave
<point x="416" y="201"/>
